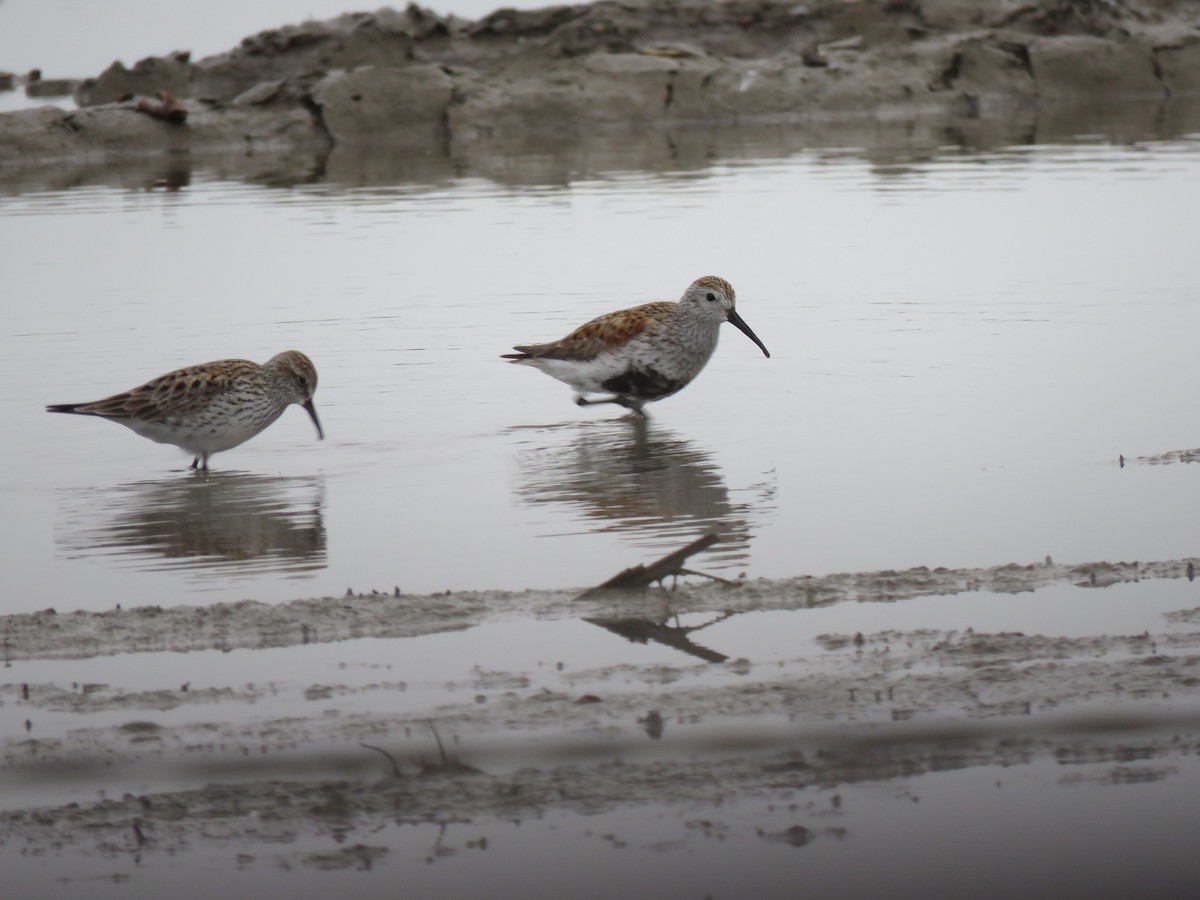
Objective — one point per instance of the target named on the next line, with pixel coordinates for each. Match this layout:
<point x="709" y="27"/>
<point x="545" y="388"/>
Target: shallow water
<point x="862" y="839"/>
<point x="858" y="840"/>
<point x="295" y="714"/>
<point x="963" y="344"/>
<point x="268" y="690"/>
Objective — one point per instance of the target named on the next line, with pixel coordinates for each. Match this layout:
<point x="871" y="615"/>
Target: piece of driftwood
<point x="641" y="576"/>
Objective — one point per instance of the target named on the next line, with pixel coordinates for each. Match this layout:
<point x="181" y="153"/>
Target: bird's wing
<point x="175" y="393"/>
<point x="602" y="333"/>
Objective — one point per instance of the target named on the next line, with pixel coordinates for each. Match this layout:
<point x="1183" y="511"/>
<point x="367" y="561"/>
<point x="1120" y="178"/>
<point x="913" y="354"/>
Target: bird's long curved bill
<point x="312" y="414"/>
<point x="741" y="326"/>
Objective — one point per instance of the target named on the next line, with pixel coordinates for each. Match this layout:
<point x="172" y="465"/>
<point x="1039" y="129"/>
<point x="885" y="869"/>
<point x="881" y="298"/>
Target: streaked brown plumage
<point x="644" y="353"/>
<point x="210" y="407"/>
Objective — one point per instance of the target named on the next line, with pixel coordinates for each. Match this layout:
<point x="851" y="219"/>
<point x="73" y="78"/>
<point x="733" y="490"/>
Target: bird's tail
<point x="67" y="408"/>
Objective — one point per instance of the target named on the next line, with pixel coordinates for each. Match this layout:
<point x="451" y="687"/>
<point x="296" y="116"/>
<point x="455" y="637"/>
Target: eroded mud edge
<point x="415" y="80"/>
<point x="50" y="634"/>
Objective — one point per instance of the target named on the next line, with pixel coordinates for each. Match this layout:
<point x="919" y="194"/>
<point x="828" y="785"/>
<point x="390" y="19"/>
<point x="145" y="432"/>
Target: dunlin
<point x="211" y="407"/>
<point x="644" y="353"/>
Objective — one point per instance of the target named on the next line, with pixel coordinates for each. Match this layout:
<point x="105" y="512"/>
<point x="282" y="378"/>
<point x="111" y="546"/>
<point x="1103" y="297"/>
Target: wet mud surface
<point x="705" y="731"/>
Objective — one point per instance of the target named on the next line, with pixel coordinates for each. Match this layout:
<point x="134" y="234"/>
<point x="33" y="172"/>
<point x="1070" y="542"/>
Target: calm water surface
<point x="963" y="343"/>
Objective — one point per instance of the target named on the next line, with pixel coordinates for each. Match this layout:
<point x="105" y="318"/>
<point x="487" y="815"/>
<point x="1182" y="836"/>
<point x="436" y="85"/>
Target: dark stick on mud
<point x="395" y="768"/>
<point x="711" y="577"/>
<point x="441" y="749"/>
<point x="641" y="576"/>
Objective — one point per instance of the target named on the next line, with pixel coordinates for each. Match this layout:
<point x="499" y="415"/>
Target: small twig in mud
<point x="395" y="768"/>
<point x="446" y="764"/>
<point x="641" y="576"/>
<point x="441" y="748"/>
<point x="724" y="581"/>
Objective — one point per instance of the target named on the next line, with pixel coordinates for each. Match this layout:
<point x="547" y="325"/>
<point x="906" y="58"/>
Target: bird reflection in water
<point x="212" y="523"/>
<point x="635" y="478"/>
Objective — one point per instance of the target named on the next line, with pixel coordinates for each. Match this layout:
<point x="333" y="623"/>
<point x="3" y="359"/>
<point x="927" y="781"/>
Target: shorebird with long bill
<point x="641" y="354"/>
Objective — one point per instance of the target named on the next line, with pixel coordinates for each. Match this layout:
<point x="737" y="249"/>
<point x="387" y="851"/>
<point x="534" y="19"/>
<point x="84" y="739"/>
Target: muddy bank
<point x="276" y="818"/>
<point x="423" y="83"/>
<point x="50" y="634"/>
<point x="286" y="774"/>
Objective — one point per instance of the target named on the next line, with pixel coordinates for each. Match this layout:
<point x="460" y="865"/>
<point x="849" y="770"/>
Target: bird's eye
<point x="303" y="381"/>
<point x="711" y="298"/>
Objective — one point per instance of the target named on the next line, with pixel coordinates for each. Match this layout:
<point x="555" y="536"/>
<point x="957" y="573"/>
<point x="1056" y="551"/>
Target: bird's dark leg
<point x="626" y="402"/>
<point x="195" y="463"/>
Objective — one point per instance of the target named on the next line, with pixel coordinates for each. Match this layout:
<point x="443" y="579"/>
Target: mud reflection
<point x="893" y="147"/>
<point x="210" y="523"/>
<point x="636" y="478"/>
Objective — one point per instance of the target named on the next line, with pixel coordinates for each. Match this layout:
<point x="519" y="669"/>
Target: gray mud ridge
<point x="421" y="82"/>
<point x="249" y="624"/>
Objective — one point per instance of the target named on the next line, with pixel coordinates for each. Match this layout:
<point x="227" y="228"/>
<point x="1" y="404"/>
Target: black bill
<point x="312" y="413"/>
<point x="741" y="325"/>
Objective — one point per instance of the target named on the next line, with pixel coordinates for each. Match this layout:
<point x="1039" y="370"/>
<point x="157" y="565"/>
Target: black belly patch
<point x="642" y="384"/>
